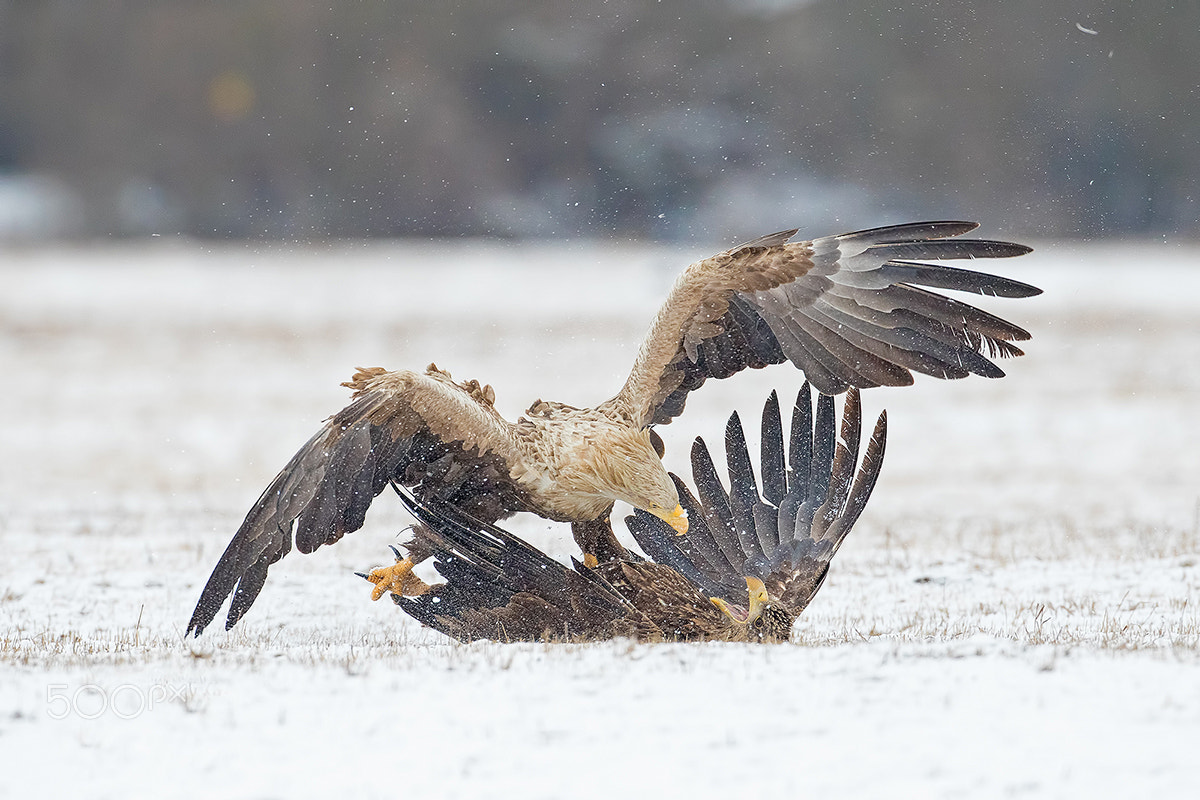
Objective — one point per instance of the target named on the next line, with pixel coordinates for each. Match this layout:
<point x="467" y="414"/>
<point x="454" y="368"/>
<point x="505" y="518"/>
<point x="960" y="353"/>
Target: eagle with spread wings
<point x="854" y="310"/>
<point x="749" y="564"/>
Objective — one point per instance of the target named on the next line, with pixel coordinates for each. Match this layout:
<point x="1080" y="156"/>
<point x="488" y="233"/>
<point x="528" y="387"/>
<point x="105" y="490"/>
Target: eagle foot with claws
<point x="396" y="579"/>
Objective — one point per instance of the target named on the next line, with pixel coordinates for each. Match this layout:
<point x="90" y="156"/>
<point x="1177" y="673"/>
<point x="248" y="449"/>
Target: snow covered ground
<point x="1015" y="615"/>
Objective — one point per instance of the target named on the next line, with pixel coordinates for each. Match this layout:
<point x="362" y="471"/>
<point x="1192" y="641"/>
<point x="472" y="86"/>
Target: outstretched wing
<point x="845" y="309"/>
<point x="817" y="513"/>
<point x="787" y="532"/>
<point x="499" y="587"/>
<point x="421" y="430"/>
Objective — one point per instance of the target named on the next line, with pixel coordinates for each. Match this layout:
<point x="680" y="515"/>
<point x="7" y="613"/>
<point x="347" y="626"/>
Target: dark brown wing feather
<point x="845" y="309"/>
<point x="798" y="568"/>
<point x="674" y="606"/>
<point x="422" y="430"/>
<point x="787" y="534"/>
<point x="499" y="587"/>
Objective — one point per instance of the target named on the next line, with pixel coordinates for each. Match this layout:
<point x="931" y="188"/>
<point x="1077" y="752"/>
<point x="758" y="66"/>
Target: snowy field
<point x="1016" y="614"/>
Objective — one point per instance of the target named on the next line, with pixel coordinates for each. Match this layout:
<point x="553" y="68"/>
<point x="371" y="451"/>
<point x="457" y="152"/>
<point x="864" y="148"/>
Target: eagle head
<point x="764" y="619"/>
<point x="623" y="464"/>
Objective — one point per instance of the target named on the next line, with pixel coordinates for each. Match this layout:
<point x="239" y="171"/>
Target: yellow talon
<point x="397" y="579"/>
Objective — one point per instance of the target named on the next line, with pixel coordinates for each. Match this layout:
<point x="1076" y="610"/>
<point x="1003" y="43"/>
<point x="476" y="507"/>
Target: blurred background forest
<point x="295" y="120"/>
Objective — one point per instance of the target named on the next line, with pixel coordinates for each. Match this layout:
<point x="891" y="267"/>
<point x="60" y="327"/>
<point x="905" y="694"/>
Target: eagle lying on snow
<point x="747" y="567"/>
<point x="847" y="310"/>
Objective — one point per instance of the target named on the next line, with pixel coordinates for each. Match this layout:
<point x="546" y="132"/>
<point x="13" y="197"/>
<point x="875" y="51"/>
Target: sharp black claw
<point x="396" y="552"/>
<point x="363" y="575"/>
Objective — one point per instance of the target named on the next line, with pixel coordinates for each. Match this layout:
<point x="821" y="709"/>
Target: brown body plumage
<point x="751" y="562"/>
<point x="845" y="309"/>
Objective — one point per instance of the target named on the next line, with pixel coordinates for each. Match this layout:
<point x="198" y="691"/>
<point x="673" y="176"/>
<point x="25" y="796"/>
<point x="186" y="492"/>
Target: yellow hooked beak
<point x="677" y="519"/>
<point x="757" y="592"/>
<point x="756" y="598"/>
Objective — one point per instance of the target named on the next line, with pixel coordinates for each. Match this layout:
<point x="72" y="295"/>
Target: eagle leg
<point x="396" y="579"/>
<point x="597" y="541"/>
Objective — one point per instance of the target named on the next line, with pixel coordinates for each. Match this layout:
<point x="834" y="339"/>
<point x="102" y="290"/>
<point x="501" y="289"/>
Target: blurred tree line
<point x="674" y="119"/>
